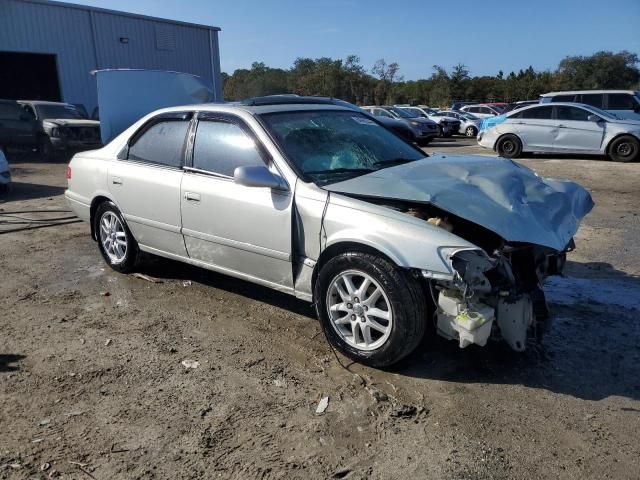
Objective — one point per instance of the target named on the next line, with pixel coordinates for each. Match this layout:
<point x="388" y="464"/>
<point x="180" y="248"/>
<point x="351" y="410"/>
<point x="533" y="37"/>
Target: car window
<point x="593" y="99"/>
<point x="221" y="147"/>
<point x="382" y="113"/>
<point x="540" y="113"/>
<point x="29" y="110"/>
<point x="162" y="144"/>
<point x="485" y="110"/>
<point x="563" y="98"/>
<point x="572" y="113"/>
<point x="620" y="101"/>
<point x="9" y="111"/>
<point x="473" y="109"/>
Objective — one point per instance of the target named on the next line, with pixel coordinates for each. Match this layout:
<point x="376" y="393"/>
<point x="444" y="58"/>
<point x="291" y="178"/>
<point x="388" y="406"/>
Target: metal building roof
<point x="121" y="13"/>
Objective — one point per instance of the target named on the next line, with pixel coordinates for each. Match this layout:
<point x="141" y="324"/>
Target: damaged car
<point x="66" y="129"/>
<point x="324" y="203"/>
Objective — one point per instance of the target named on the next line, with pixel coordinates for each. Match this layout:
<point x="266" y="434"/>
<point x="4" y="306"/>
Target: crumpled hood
<point x="67" y="122"/>
<point x="498" y="194"/>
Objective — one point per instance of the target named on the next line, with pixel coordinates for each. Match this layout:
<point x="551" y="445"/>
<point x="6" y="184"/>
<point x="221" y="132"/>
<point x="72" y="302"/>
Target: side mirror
<point x="593" y="118"/>
<point x="258" y="177"/>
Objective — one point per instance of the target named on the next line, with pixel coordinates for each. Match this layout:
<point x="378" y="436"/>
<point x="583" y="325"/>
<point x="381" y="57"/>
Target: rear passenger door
<point x="536" y="128"/>
<point x="238" y="229"/>
<point x="145" y="182"/>
<point x="575" y="132"/>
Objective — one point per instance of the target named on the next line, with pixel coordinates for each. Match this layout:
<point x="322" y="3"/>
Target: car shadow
<point x="589" y="350"/>
<point x="25" y="156"/>
<point x="7" y="362"/>
<point x="30" y="191"/>
<point x="164" y="268"/>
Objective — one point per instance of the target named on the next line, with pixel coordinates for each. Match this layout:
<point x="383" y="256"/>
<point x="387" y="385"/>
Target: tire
<point x="45" y="149"/>
<point x="509" y="146"/>
<point x="471" y="131"/>
<point x="401" y="300"/>
<point x="122" y="257"/>
<point x="624" y="149"/>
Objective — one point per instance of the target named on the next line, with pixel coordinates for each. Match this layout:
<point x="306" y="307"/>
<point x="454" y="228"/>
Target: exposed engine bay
<point x="496" y="290"/>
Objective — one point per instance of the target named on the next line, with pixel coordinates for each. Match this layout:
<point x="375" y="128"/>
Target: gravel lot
<point x="92" y="385"/>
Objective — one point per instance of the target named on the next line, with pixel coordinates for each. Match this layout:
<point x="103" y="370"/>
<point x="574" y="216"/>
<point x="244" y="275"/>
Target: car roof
<point x="256" y="109"/>
<point x="554" y="104"/>
<point x="575" y="92"/>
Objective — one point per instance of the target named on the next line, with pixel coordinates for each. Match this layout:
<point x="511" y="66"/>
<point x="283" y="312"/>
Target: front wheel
<point x="370" y="310"/>
<point x="509" y="146"/>
<point x="624" y="149"/>
<point x="117" y="245"/>
<point x="471" y="131"/>
<point x="45" y="149"/>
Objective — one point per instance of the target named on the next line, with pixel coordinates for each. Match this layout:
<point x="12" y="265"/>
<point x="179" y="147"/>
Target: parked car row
<point x="48" y="128"/>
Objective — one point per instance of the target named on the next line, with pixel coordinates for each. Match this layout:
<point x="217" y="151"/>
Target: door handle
<point x="192" y="197"/>
<point x="561" y="126"/>
<point x="116" y="180"/>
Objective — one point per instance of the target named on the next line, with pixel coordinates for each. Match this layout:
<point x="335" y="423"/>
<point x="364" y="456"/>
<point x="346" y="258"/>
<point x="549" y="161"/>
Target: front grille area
<point x="88" y="134"/>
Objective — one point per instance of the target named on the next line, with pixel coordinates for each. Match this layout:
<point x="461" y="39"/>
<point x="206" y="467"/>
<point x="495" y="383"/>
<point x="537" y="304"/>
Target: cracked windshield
<point x="330" y="146"/>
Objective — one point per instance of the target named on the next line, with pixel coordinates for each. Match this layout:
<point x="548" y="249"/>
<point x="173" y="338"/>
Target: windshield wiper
<point x="341" y="170"/>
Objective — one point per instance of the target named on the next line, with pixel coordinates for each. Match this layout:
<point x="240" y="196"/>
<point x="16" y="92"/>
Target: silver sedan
<point x="324" y="203"/>
<point x="563" y="128"/>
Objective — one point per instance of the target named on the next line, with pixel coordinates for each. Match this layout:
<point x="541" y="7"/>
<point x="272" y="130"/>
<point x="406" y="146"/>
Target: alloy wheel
<point x="113" y="237"/>
<point x="359" y="310"/>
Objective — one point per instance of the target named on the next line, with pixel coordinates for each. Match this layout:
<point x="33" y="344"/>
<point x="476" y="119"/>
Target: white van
<point x="622" y="103"/>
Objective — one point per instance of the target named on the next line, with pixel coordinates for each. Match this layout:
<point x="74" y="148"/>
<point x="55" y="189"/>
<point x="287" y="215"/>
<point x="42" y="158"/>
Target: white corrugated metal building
<point x="48" y="49"/>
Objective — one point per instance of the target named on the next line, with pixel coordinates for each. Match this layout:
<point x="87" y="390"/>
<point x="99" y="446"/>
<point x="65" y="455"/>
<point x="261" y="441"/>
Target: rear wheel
<point x="509" y="146"/>
<point x="117" y="245"/>
<point x="471" y="131"/>
<point x="370" y="310"/>
<point x="624" y="149"/>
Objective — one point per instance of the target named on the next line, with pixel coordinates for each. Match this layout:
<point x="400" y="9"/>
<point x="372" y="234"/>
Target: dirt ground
<point x="92" y="384"/>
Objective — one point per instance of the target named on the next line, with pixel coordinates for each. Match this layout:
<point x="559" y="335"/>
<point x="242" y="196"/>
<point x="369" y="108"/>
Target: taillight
<point x="68" y="172"/>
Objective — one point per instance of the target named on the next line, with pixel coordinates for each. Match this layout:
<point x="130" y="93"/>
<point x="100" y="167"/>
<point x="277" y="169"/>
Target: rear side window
<point x="620" y="101"/>
<point x="540" y="113"/>
<point x="572" y="113"/>
<point x="593" y="99"/>
<point x="162" y="144"/>
<point x="221" y="147"/>
<point x="10" y="111"/>
<point x="563" y="98"/>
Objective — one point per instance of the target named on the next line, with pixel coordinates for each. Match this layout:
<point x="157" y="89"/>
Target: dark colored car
<point x="17" y="127"/>
<point x="66" y="129"/>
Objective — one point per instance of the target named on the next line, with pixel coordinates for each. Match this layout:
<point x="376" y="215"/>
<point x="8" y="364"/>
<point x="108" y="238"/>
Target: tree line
<point x="382" y="84"/>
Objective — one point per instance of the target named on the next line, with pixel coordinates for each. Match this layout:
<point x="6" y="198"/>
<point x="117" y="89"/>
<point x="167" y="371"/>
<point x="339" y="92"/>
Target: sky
<point x="486" y="36"/>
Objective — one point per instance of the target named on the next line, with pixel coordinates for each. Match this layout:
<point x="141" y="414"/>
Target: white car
<point x="482" y="111"/>
<point x="5" y="173"/>
<point x="322" y="202"/>
<point x="621" y="103"/>
<point x="469" y="123"/>
<point x="564" y="128"/>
